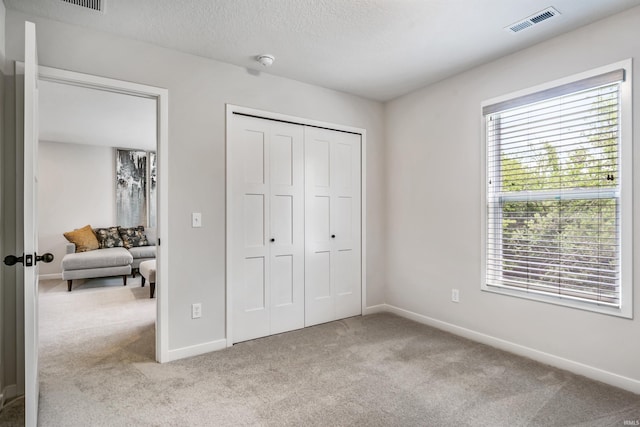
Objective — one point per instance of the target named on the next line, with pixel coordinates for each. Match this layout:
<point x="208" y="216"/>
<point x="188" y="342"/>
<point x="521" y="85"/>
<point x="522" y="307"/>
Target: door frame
<point x="161" y="96"/>
<point x="262" y="114"/>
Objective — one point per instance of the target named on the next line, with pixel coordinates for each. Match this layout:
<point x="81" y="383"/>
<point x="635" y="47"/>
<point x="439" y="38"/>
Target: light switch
<point x="196" y="220"/>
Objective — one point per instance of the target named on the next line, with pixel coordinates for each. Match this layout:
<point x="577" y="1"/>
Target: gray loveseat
<point x="107" y="262"/>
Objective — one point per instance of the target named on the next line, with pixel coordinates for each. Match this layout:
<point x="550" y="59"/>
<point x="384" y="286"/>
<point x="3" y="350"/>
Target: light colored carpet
<point x="97" y="369"/>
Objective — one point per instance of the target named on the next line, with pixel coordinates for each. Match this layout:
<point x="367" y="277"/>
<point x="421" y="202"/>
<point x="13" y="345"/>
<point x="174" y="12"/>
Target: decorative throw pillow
<point x="108" y="237"/>
<point x="84" y="239"/>
<point x="133" y="236"/>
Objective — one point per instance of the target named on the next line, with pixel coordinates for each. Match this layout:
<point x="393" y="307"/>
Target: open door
<point x="27" y="210"/>
<point x="30" y="257"/>
<point x="30" y="231"/>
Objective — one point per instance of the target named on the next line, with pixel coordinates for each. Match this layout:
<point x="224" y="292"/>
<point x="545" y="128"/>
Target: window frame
<point x="626" y="194"/>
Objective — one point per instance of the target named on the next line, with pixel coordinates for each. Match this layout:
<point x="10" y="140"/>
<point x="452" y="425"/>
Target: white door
<point x="332" y="225"/>
<point x="266" y="226"/>
<point x="30" y="246"/>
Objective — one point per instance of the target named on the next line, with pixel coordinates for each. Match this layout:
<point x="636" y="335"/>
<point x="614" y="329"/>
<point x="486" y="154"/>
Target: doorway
<point x="158" y="97"/>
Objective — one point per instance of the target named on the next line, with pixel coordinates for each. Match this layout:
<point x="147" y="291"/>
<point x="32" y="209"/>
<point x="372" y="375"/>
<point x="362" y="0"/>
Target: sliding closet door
<point x="266" y="227"/>
<point x="332" y="225"/>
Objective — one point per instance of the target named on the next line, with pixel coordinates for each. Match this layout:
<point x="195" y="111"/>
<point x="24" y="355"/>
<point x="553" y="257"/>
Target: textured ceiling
<point x="378" y="49"/>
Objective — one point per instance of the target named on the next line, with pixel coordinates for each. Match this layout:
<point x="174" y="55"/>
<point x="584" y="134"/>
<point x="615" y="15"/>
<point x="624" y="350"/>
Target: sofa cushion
<point x="110" y="257"/>
<point x="109" y="237"/>
<point x="96" y="272"/>
<point x="148" y="270"/>
<point x="143" y="252"/>
<point x="133" y="237"/>
<point x="83" y="238"/>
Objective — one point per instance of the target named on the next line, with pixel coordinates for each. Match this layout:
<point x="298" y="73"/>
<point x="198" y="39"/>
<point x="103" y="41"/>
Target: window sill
<point x="625" y="311"/>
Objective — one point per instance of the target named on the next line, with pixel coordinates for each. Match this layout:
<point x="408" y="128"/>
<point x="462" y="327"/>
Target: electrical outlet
<point x="455" y="295"/>
<point x="196" y="220"/>
<point x="196" y="311"/>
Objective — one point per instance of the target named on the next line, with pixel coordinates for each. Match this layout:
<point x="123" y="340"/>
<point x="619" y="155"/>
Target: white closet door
<point x="332" y="227"/>
<point x="266" y="226"/>
<point x="287" y="227"/>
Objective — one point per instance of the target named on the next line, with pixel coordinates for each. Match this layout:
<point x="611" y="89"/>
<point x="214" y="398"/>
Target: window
<point x="557" y="199"/>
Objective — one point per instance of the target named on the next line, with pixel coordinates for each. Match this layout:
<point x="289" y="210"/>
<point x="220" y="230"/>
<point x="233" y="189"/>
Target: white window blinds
<point x="553" y="192"/>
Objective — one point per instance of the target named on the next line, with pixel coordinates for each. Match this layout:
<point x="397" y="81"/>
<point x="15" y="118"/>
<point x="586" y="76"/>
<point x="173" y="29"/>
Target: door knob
<point x="333" y="236"/>
<point x="13" y="260"/>
<point x="273" y="240"/>
<point x="46" y="258"/>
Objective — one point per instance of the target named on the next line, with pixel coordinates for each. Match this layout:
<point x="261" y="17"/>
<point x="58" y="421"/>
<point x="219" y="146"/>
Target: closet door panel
<point x="282" y="224"/>
<point x="254" y="284"/>
<point x="282" y="279"/>
<point x="254" y="220"/>
<point x="347" y="225"/>
<point x="282" y="159"/>
<point x="287" y="227"/>
<point x="252" y="155"/>
<point x="318" y="284"/>
<point x="332" y="231"/>
<point x="249" y="253"/>
<point x="347" y="284"/>
<point x="343" y="227"/>
<point x="319" y="307"/>
<point x="342" y="171"/>
<point x="317" y="168"/>
<point x="318" y="221"/>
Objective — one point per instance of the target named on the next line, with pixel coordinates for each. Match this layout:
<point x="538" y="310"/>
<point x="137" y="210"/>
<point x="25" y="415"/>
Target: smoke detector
<point x="265" y="60"/>
<point x="532" y="20"/>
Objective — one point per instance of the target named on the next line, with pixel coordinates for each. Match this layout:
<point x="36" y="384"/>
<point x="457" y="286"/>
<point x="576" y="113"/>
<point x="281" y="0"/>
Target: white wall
<point x="433" y="143"/>
<point x="198" y="90"/>
<point x="76" y="188"/>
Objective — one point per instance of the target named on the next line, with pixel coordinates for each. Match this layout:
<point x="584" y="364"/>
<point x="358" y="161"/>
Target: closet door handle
<point x="273" y="240"/>
<point x="333" y="236"/>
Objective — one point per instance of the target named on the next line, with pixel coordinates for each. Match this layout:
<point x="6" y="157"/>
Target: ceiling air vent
<point x="95" y="5"/>
<point x="532" y="20"/>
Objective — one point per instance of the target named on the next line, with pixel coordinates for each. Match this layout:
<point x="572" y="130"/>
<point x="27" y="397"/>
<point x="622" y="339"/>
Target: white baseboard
<point x="195" y="350"/>
<point x="380" y="308"/>
<point x="592" y="372"/>
<point x="53" y="276"/>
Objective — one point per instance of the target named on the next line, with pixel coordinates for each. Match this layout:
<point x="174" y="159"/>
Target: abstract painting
<point x="131" y="188"/>
<point x="153" y="186"/>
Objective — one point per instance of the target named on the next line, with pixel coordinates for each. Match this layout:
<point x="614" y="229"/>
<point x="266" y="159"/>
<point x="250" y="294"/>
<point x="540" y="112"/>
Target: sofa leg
<point x="143" y="280"/>
<point x="69" y="285"/>
<point x="133" y="273"/>
<point x="124" y="279"/>
<point x="152" y="289"/>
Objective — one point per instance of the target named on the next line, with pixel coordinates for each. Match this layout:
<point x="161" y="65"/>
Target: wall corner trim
<point x="195" y="350"/>
<point x="588" y="371"/>
<point x="373" y="309"/>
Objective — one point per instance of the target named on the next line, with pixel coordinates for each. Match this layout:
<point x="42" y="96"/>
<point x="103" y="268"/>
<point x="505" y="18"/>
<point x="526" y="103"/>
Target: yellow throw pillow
<point x="84" y="239"/>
